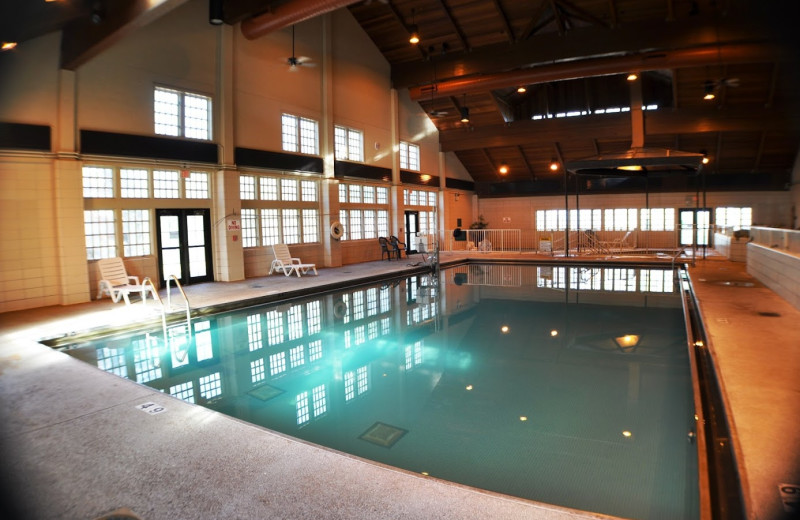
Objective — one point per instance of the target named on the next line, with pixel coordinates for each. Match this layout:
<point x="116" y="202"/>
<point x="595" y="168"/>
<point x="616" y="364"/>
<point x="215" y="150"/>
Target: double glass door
<point x="184" y="245"/>
<point x="695" y="226"/>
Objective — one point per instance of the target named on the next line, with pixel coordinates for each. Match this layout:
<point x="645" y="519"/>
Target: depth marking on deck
<point x="723" y="320"/>
<point x="151" y="408"/>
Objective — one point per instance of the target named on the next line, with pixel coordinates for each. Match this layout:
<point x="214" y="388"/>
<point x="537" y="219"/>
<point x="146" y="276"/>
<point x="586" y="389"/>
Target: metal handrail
<point x="185" y="298"/>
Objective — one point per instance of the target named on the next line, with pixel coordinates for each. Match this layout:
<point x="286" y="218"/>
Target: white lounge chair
<point x="115" y="281"/>
<point x="286" y="264"/>
<point x="618" y="244"/>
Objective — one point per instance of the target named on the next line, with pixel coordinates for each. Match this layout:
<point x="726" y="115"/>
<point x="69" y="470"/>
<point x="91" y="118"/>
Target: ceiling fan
<point x="295" y="62"/>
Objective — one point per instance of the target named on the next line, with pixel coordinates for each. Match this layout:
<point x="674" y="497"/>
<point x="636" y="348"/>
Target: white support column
<point x="228" y="250"/>
<point x="329" y="189"/>
<point x="68" y="197"/>
<point x="396" y="195"/>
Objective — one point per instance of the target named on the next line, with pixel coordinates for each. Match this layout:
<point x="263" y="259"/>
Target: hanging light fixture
<point x="708" y="90"/>
<point x="553" y="165"/>
<point x="633" y="76"/>
<point x="503" y="169"/>
<point x="464" y="114"/>
<point x="215" y="12"/>
<point x="414" y="36"/>
<point x="521" y="89"/>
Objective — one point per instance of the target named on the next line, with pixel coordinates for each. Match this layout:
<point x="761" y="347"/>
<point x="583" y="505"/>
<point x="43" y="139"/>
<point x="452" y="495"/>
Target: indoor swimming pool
<point x="568" y="385"/>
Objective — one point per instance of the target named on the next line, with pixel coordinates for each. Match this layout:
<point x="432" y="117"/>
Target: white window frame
<point x="409" y="156"/>
<point x="175" y="117"/>
<point x="299" y="134"/>
<point x="348" y="144"/>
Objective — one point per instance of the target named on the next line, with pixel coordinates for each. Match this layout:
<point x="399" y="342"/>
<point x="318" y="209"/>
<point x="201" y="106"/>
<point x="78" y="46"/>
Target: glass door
<point x="184" y="245"/>
<point x="412" y="228"/>
<point x="695" y="226"/>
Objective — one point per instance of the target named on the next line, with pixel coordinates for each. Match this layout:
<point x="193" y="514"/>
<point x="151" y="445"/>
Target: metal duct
<point x="737" y="53"/>
<point x="288" y="14"/>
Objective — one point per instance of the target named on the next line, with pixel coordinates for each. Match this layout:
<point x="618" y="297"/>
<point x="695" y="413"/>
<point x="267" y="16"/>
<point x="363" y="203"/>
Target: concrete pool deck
<point x="74" y="445"/>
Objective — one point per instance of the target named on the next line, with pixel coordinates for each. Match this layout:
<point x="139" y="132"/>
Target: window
<point x="291" y="226"/>
<point x="736" y="218"/>
<point x="270" y="227"/>
<point x="289" y="189"/>
<point x="165" y="184"/>
<point x="308" y="191"/>
<point x="100" y="234"/>
<point x="300" y="134"/>
<point x="409" y="156"/>
<point x="98" y="182"/>
<point x="658" y="219"/>
<point x="196" y="186"/>
<point x="310" y="225"/>
<point x="269" y="189"/>
<point x="249" y="235"/>
<point x="136" y="232"/>
<point x="178" y="113"/>
<point x="360" y="216"/>
<point x="247" y="187"/>
<point x="348" y="144"/>
<point x="133" y="184"/>
<point x="620" y="219"/>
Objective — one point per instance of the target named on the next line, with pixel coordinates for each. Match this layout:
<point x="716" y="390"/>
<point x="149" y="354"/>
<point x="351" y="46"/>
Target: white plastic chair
<point x="285" y="263"/>
<point x="115" y="281"/>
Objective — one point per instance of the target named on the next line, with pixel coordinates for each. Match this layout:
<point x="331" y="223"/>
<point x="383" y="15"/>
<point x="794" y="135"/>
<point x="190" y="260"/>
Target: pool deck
<point x="74" y="445"/>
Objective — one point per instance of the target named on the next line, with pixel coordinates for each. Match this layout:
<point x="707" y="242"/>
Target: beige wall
<point x="42" y="255"/>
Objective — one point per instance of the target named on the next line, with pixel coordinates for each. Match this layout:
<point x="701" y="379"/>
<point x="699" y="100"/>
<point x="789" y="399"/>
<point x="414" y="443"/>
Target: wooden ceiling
<point x="573" y="57"/>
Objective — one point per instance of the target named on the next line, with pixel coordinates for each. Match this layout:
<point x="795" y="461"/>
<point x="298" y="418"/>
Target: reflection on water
<point x="566" y="385"/>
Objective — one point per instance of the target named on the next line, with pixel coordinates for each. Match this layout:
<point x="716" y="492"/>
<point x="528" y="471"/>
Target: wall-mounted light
<point x="503" y="169"/>
<point x="7" y="46"/>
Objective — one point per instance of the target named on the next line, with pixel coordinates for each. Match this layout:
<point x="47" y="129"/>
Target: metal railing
<point x="554" y="242"/>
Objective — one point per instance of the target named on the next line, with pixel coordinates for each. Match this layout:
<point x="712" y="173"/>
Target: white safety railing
<point x="554" y="242"/>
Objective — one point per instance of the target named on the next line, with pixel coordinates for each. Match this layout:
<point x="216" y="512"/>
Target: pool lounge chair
<point x="285" y="263"/>
<point x="115" y="281"/>
<point x="616" y="245"/>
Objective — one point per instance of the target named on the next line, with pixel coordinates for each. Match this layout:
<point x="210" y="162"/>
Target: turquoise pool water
<point x="563" y="385"/>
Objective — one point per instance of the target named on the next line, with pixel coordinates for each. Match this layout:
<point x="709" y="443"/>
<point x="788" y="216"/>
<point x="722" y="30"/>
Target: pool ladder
<point x="168" y="307"/>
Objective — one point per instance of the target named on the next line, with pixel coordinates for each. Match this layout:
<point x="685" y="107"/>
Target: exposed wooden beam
<point x="615" y="127"/>
<point x="585" y="43"/>
<point x="459" y="33"/>
<point x="503" y="18"/>
<point x="558" y="18"/>
<point x="536" y="21"/>
<point x="526" y="163"/>
<point x="84" y="39"/>
<point x="582" y="14"/>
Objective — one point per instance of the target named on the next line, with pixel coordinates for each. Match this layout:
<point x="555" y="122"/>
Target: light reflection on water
<point x="514" y="379"/>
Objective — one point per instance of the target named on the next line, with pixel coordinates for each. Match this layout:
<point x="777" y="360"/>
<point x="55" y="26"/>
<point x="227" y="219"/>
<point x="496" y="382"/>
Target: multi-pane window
<point x="585" y="219"/>
<point x="136" y="232"/>
<point x="100" y="234"/>
<point x="290" y="223"/>
<point x="658" y="219"/>
<point x="98" y="182"/>
<point x="300" y="134"/>
<point x="166" y="184"/>
<point x="310" y="225"/>
<point x="360" y="214"/>
<point x="178" y="113"/>
<point x="247" y="187"/>
<point x="134" y="184"/>
<point x="269" y="188"/>
<point x="348" y="144"/>
<point x="289" y="189"/>
<point x="419" y="198"/>
<point x="736" y="218"/>
<point x="620" y="219"/>
<point x="272" y="221"/>
<point x="409" y="156"/>
<point x="196" y="186"/>
<point x="270" y="227"/>
<point x="249" y="226"/>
